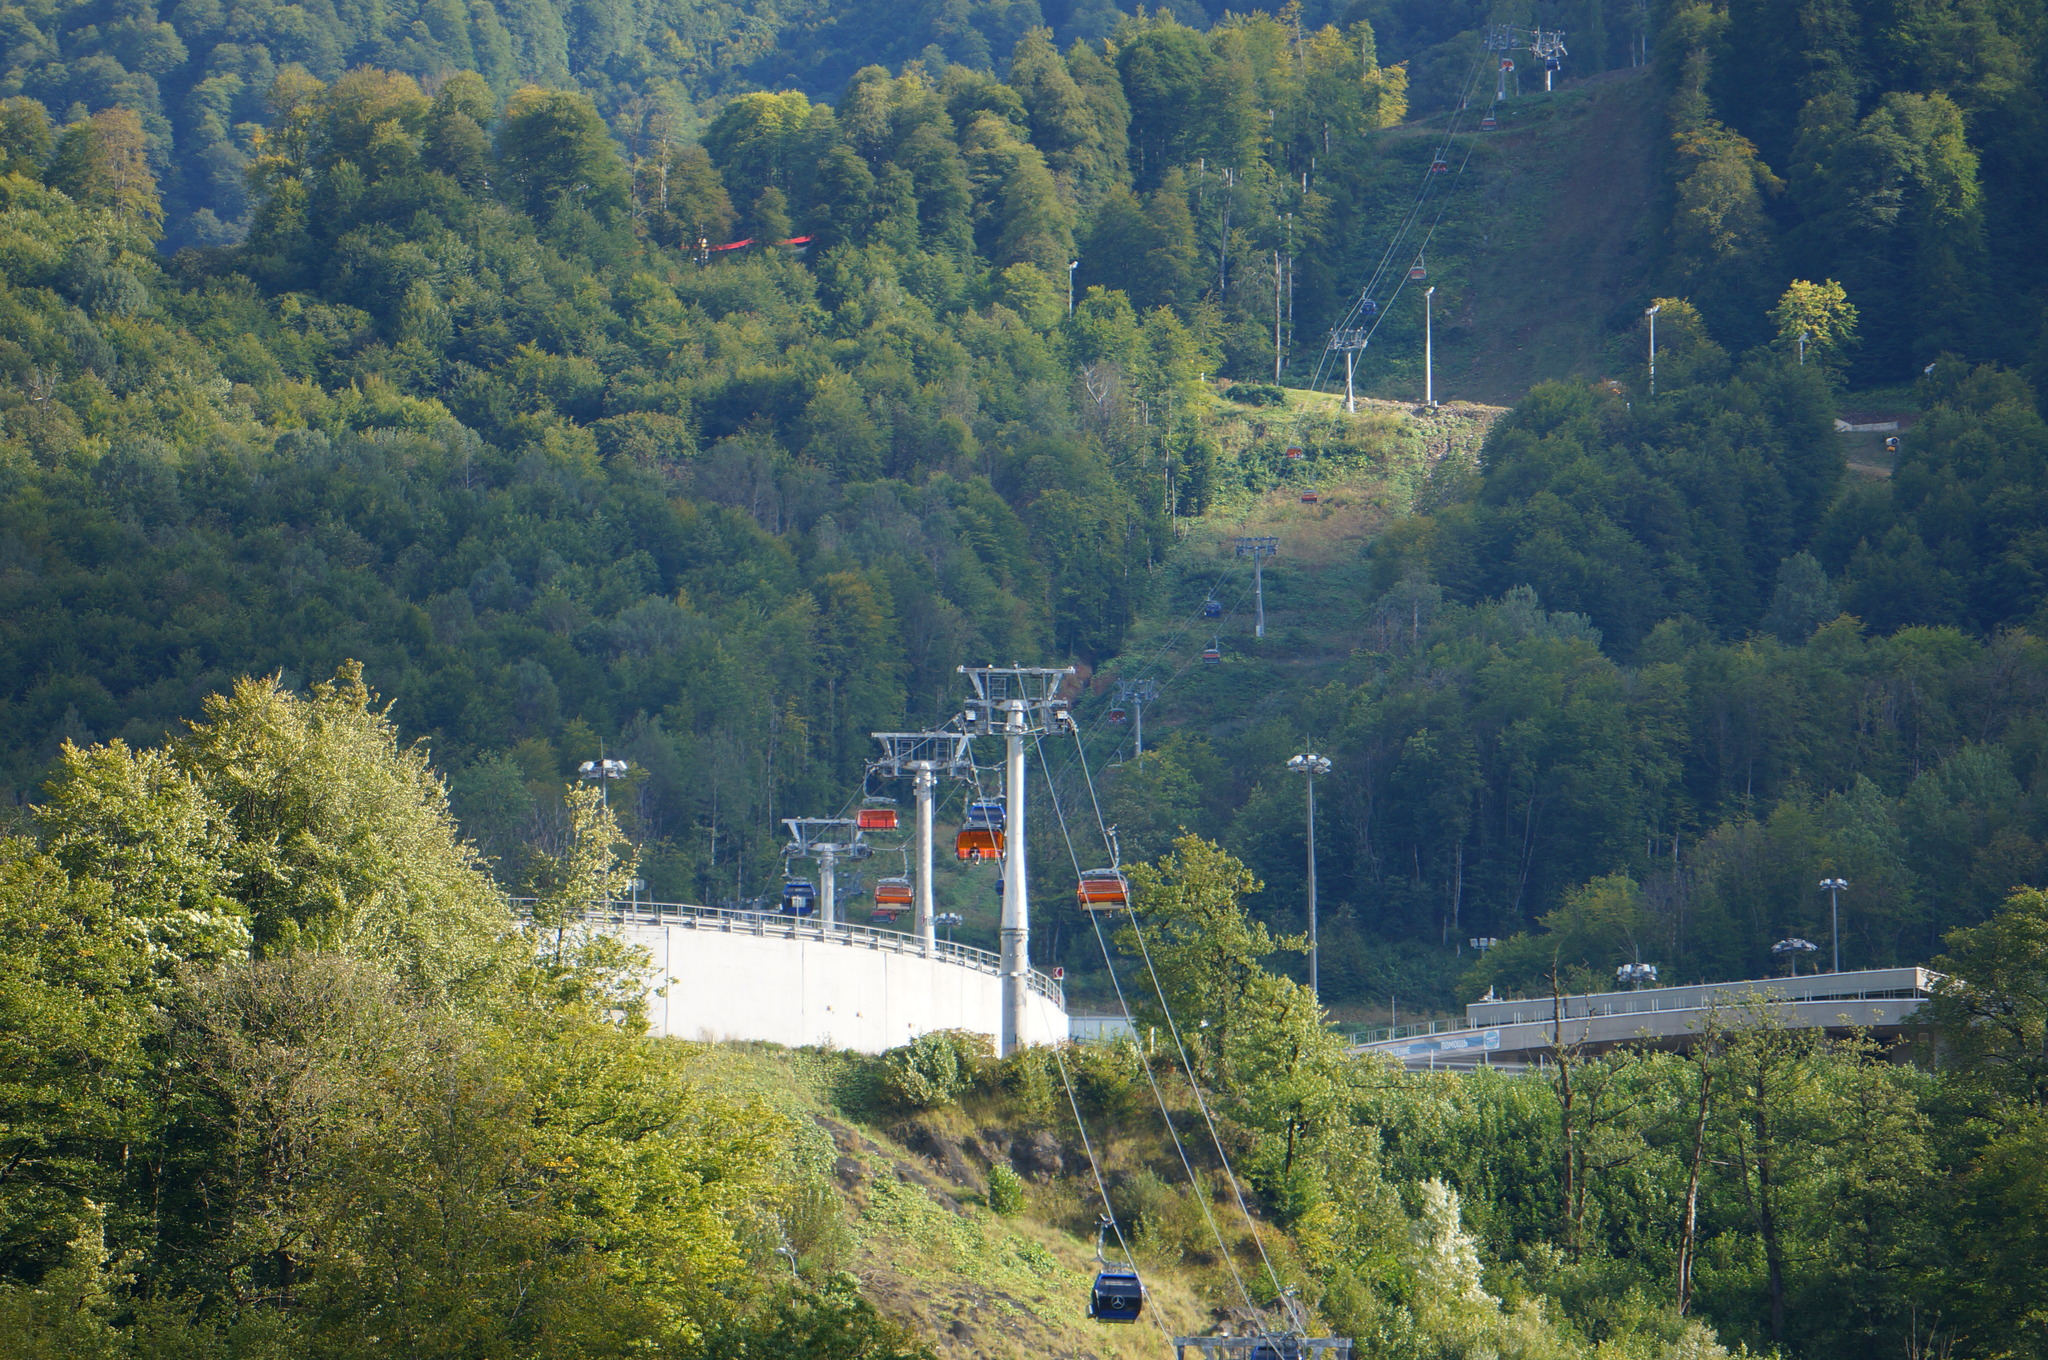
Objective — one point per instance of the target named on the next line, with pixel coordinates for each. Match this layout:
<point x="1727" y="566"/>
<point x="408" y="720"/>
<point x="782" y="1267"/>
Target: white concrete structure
<point x="759" y="975"/>
<point x="1512" y="1033"/>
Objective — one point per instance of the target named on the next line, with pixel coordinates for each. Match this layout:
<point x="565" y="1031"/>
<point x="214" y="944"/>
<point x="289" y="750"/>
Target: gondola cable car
<point x="1118" y="1295"/>
<point x="1213" y="653"/>
<point x="1103" y="890"/>
<point x="799" y="897"/>
<point x="1212" y="608"/>
<point x="1418" y="271"/>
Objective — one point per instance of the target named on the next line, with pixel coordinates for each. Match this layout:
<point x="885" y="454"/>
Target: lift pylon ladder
<point x="828" y="840"/>
<point x="1258" y="550"/>
<point x="1014" y="703"/>
<point x="925" y="758"/>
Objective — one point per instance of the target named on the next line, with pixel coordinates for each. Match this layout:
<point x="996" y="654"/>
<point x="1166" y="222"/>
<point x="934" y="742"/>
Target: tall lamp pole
<point x="1835" y="887"/>
<point x="604" y="772"/>
<point x="1309" y="764"/>
<point x="1072" y="265"/>
<point x="1652" y="314"/>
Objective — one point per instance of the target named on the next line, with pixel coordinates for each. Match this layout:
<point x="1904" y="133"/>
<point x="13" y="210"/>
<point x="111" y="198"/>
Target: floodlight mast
<point x="1013" y="702"/>
<point x="923" y="757"/>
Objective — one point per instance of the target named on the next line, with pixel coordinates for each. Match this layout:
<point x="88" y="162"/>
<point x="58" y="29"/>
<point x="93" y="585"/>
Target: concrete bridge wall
<point x="734" y="975"/>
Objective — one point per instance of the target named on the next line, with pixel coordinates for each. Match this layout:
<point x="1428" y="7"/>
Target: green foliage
<point x="1005" y="1191"/>
<point x="934" y="1069"/>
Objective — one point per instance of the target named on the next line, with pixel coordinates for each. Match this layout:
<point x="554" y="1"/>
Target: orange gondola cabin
<point x="981" y="834"/>
<point x="1103" y="890"/>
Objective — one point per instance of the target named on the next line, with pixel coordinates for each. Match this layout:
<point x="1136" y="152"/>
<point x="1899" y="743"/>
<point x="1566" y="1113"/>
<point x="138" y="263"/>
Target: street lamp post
<point x="1834" y="888"/>
<point x="1652" y="314"/>
<point x="948" y="919"/>
<point x="604" y="772"/>
<point x="1309" y="764"/>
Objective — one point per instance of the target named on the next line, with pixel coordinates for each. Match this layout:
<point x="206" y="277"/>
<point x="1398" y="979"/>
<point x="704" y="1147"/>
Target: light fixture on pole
<point x="1834" y="888"/>
<point x="947" y="920"/>
<point x="1429" y="346"/>
<point x="1310" y="764"/>
<point x="1635" y="974"/>
<point x="1482" y="943"/>
<point x="1652" y="314"/>
<point x="604" y="772"/>
<point x="1792" y="949"/>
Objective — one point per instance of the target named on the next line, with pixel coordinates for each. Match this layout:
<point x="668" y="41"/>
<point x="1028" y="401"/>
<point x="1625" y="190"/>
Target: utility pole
<point x="1136" y="694"/>
<point x="1310" y="764"/>
<point x="1072" y="265"/>
<point x="1429" y="346"/>
<point x="1652" y="314"/>
<point x="1014" y="703"/>
<point x="1258" y="550"/>
<point x="923" y="756"/>
<point x="1276" y="318"/>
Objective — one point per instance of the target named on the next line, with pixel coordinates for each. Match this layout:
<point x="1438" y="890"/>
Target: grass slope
<point x="907" y="1213"/>
<point x="1546" y="248"/>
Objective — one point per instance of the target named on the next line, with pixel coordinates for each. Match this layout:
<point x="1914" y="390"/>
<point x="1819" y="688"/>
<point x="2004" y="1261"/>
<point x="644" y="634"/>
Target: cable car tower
<point x="1136" y="694"/>
<point x="923" y="757"/>
<point x="1351" y="341"/>
<point x="1015" y="703"/>
<point x="820" y="838"/>
<point x="1258" y="550"/>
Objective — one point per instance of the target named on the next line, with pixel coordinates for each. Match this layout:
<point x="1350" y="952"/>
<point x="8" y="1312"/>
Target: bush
<point x="1005" y="1190"/>
<point x="934" y="1069"/>
<point x="1257" y="394"/>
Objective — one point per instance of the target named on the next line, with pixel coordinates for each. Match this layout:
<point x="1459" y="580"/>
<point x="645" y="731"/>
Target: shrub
<point x="933" y="1069"/>
<point x="1005" y="1190"/>
<point x="1257" y="394"/>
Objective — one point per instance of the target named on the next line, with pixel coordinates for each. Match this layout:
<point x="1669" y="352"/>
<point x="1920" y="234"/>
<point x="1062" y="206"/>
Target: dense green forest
<point x="397" y="346"/>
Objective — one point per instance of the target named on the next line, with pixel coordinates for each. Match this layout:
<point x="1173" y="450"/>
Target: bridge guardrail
<point x="774" y="925"/>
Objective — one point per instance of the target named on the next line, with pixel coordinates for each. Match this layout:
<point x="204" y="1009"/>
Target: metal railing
<point x="1540" y="1013"/>
<point x="774" y="925"/>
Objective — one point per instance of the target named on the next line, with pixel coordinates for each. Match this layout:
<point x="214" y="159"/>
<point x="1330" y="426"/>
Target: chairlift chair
<point x="799" y="897"/>
<point x="893" y="894"/>
<point x="1308" y="496"/>
<point x="981" y="834"/>
<point x="1212" y="653"/>
<point x="1418" y="271"/>
<point x="1117" y="715"/>
<point x="876" y="817"/>
<point x="1103" y="890"/>
<point x="1439" y="167"/>
<point x="1294" y="451"/>
<point x="1488" y="123"/>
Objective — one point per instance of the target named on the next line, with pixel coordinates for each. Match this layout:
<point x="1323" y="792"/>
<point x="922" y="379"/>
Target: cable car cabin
<point x="1308" y="497"/>
<point x="1488" y="123"/>
<point x="1103" y="890"/>
<point x="1294" y="451"/>
<point x="1212" y="654"/>
<point x="1213" y="609"/>
<point x="1118" y="1296"/>
<point x="875" y="819"/>
<point x="1439" y="167"/>
<point x="1368" y="307"/>
<point x="799" y="897"/>
<point x="893" y="894"/>
<point x="1418" y="271"/>
<point x="981" y="835"/>
<point x="1117" y="715"/>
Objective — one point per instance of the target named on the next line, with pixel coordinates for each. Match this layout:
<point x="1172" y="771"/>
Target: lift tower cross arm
<point x="1014" y="703"/>
<point x="924" y="757"/>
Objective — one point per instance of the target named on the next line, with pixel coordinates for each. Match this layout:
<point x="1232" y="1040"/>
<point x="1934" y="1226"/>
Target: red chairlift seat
<point x="1308" y="497"/>
<point x="892" y="894"/>
<point x="978" y="843"/>
<point x="1103" y="890"/>
<point x="1488" y="123"/>
<point x="875" y="819"/>
<point x="1418" y="272"/>
<point x="1212" y="654"/>
<point x="1439" y="167"/>
<point x="1117" y="715"/>
<point x="1294" y="451"/>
